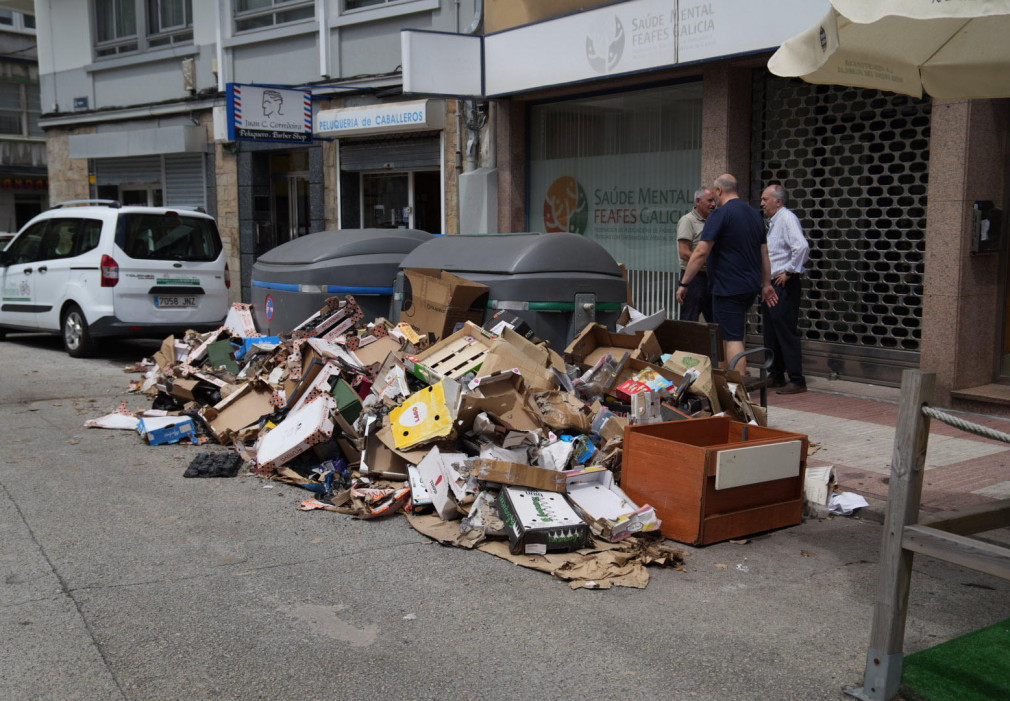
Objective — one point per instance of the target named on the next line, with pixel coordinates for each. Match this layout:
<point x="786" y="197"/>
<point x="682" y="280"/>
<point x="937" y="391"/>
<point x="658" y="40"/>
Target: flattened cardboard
<point x="516" y="474"/>
<point x="438" y="301"/>
<point x="540" y="522"/>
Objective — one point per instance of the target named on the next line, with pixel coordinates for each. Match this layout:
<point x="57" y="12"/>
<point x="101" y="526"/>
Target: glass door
<point x="385" y="201"/>
<point x="299" y="218"/>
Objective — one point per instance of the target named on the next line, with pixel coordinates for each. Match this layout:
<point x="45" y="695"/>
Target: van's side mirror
<point x="5" y="259"/>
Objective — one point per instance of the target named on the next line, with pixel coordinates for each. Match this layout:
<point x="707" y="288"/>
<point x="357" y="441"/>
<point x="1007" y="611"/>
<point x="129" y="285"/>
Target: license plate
<point x="174" y="301"/>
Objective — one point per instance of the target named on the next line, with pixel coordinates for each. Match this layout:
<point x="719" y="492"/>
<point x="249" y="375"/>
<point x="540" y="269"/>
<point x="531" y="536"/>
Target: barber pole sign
<point x="269" y="113"/>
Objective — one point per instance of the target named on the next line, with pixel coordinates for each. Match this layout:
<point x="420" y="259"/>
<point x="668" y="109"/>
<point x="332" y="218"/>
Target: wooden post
<point x="884" y="657"/>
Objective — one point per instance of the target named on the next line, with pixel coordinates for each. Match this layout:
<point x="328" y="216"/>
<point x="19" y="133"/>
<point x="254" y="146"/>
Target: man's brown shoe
<point x="792" y="388"/>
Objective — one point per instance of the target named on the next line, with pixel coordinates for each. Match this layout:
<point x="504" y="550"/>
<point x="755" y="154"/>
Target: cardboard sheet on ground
<point x="601" y="566"/>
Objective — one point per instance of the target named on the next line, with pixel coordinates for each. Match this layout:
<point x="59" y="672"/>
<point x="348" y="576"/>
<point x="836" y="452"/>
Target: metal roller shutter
<point x="185" y="181"/>
<point x="133" y="170"/>
<point x="391" y="154"/>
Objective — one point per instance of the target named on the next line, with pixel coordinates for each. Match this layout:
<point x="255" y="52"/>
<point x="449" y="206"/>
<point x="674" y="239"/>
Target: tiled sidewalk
<point x="853" y="425"/>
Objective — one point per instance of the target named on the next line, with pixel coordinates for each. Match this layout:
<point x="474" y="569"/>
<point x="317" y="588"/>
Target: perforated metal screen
<point x="854" y="163"/>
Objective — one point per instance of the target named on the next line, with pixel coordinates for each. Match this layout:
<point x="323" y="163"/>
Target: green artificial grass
<point x="973" y="667"/>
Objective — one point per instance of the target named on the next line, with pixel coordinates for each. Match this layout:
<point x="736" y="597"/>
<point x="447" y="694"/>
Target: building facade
<point x="136" y="109"/>
<point x="636" y="103"/>
<point x="576" y="115"/>
<point x="23" y="176"/>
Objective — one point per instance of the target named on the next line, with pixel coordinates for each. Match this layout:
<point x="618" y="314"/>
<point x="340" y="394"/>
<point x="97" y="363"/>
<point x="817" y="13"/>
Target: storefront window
<point x="620" y="169"/>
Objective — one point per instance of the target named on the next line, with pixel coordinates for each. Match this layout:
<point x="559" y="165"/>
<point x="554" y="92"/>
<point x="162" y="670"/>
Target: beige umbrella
<point x="947" y="48"/>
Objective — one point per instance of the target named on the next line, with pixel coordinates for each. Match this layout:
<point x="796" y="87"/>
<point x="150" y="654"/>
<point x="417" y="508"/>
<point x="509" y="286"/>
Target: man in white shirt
<point x="789" y="252"/>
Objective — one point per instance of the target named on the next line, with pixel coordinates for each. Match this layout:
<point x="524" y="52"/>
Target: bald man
<point x="733" y="244"/>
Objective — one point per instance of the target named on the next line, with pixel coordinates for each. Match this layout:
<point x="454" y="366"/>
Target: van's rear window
<point x="168" y="237"/>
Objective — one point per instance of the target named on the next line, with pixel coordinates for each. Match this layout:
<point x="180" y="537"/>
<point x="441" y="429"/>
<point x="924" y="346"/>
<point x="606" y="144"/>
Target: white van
<point x="92" y="268"/>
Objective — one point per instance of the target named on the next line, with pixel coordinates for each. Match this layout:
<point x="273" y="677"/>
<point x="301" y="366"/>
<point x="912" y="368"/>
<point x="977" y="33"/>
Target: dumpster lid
<point x="513" y="254"/>
<point x="342" y="243"/>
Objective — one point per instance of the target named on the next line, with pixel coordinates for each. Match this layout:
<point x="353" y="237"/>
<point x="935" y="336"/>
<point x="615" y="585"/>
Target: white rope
<point x="966" y="426"/>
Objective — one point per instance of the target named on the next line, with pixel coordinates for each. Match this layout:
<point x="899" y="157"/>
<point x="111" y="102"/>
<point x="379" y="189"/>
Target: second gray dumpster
<point x="556" y="283"/>
<point x="291" y="282"/>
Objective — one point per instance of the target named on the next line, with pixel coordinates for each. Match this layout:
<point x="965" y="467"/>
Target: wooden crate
<point x="708" y="483"/>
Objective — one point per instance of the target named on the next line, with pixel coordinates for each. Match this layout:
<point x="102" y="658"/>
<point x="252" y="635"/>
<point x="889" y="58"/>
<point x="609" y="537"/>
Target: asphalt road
<point x="119" y="579"/>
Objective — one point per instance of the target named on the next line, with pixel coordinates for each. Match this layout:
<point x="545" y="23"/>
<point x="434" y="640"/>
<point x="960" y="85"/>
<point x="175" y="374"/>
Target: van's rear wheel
<point x="76" y="335"/>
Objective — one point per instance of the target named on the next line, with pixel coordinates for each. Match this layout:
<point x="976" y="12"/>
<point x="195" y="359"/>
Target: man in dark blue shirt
<point x="734" y="245"/>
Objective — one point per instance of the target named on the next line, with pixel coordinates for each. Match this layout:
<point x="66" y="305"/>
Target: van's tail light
<point x="227" y="277"/>
<point x="110" y="272"/>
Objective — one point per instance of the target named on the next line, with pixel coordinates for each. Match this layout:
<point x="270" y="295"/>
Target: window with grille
<point x="257" y="14"/>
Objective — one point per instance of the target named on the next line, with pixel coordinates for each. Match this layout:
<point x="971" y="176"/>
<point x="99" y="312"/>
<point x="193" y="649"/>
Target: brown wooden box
<point x="708" y="484"/>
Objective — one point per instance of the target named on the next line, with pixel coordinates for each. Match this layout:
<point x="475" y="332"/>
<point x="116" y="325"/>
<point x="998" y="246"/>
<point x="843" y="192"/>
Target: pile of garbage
<point x="486" y="438"/>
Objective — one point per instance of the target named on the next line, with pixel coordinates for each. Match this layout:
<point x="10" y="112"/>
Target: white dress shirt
<point x="788" y="249"/>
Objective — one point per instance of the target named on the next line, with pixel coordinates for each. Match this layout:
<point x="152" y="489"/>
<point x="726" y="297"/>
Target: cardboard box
<point x="239" y="409"/>
<point x="372" y="356"/>
<point x="435" y="301"/>
<point x="183" y="388"/>
<point x="426" y="415"/>
<point x="502" y="397"/>
<point x="504" y="319"/>
<point x="420" y="497"/>
<point x="240" y="321"/>
<point x="159" y="430"/>
<point x="595" y="341"/>
<point x="680" y="362"/>
<point x="379" y="456"/>
<point x="611" y="512"/>
<point x="519" y="475"/>
<point x="299" y="431"/>
<point x="714" y="479"/>
<point x="819" y="484"/>
<point x="511" y="351"/>
<point x="540" y="522"/>
<point x="734" y="399"/>
<point x="452" y="357"/>
<point x="436" y="482"/>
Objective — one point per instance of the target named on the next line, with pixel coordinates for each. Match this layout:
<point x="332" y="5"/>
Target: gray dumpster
<point x="556" y="283"/>
<point x="291" y="282"/>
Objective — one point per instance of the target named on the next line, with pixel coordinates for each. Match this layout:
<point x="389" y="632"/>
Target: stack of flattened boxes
<point x="714" y="479"/>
